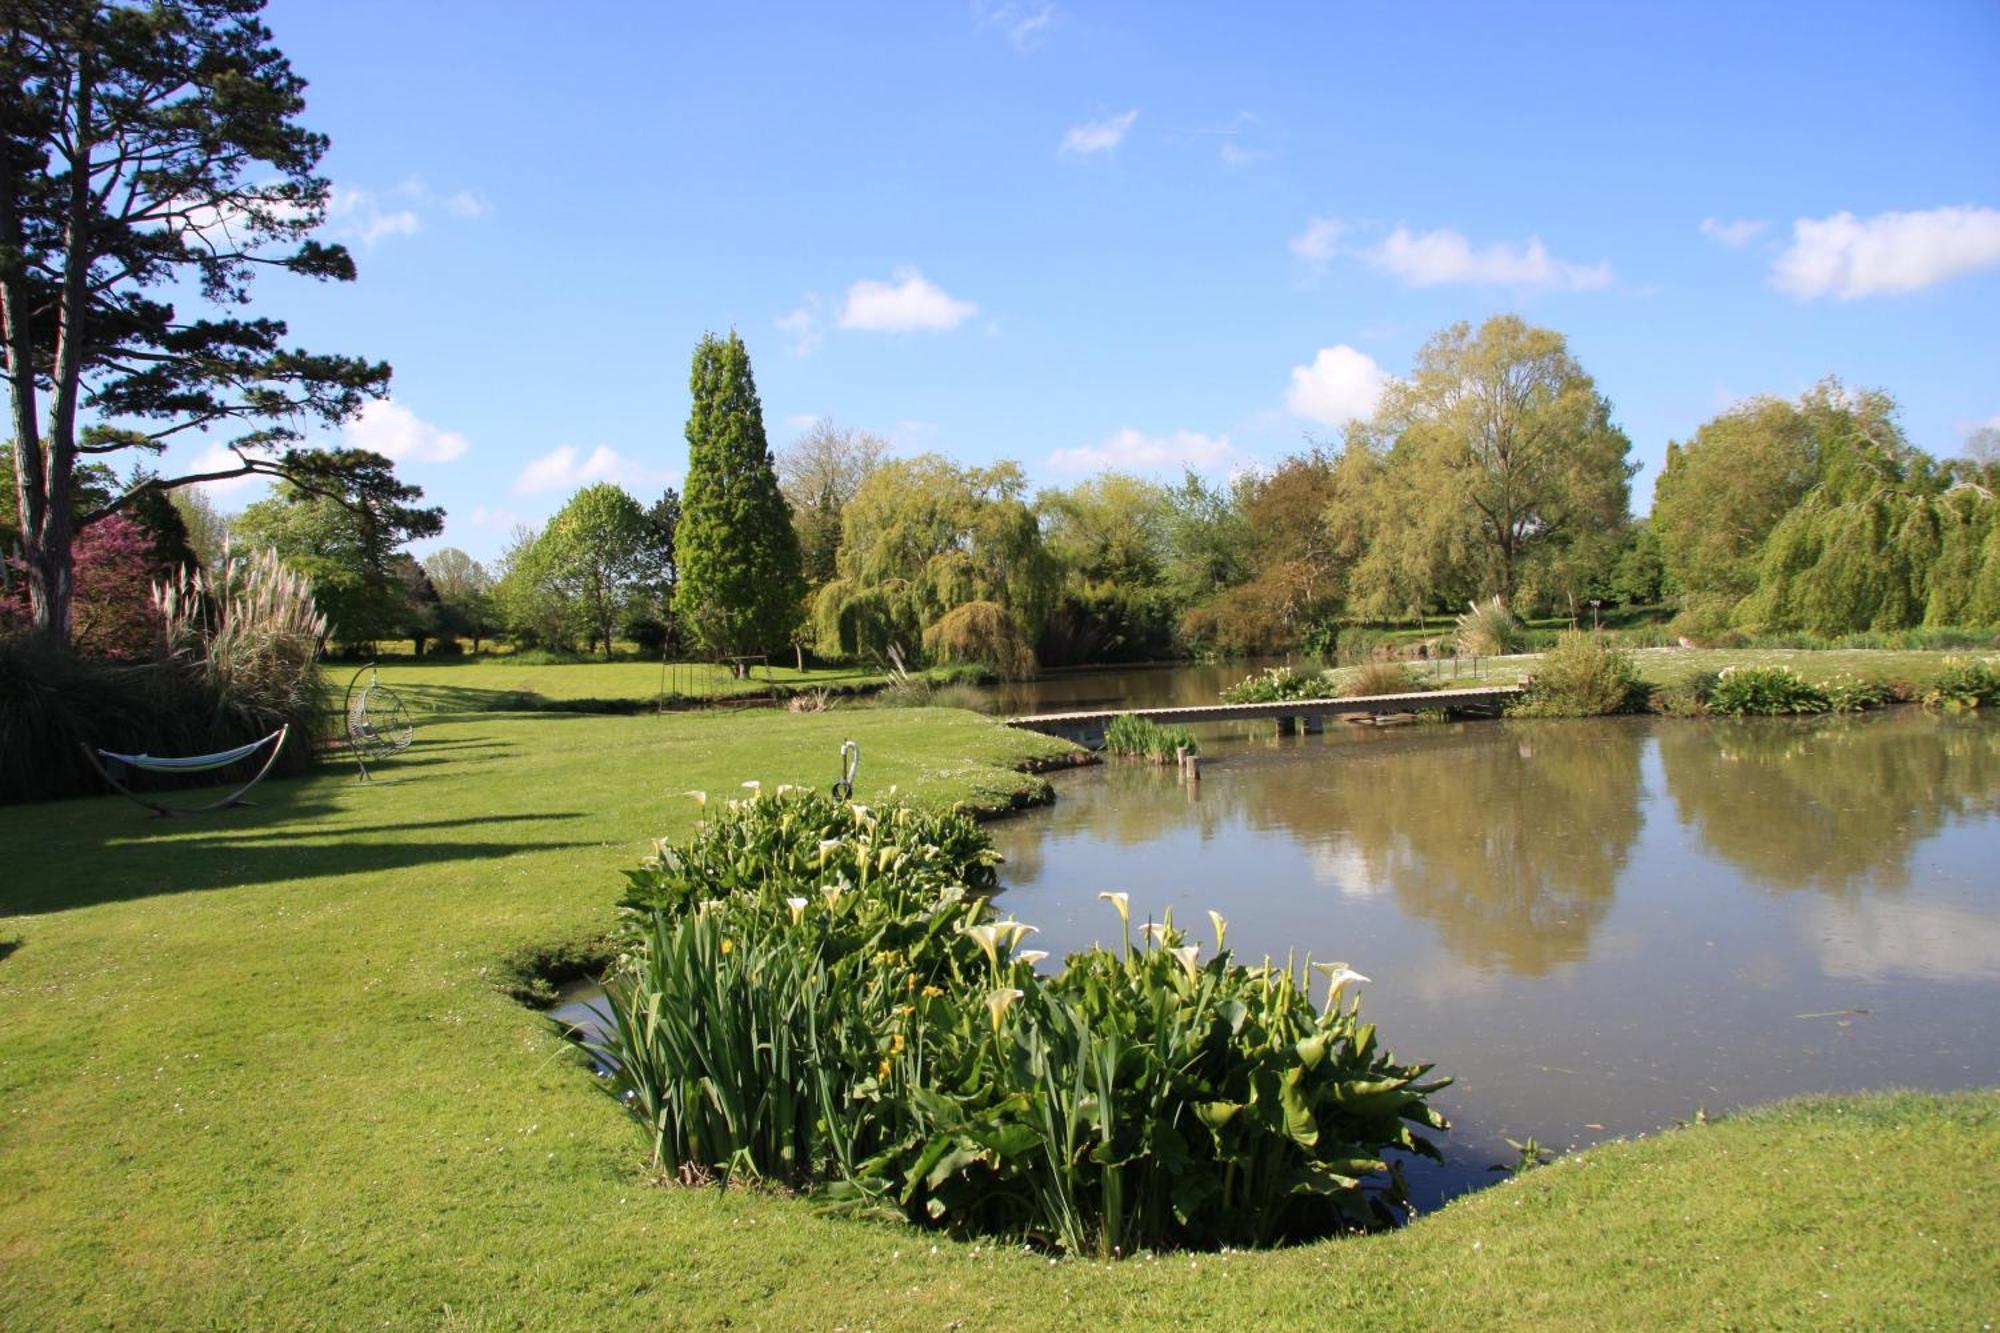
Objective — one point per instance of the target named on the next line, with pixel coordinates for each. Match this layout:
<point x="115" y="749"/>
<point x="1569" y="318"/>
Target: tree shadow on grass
<point x="83" y="862"/>
<point x="7" y="948"/>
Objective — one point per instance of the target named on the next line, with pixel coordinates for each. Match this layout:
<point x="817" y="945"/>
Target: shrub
<point x="1687" y="699"/>
<point x="1764" y="691"/>
<point x="812" y="995"/>
<point x="1849" y="693"/>
<point x="1380" y="678"/>
<point x="1143" y="738"/>
<point x="984" y="634"/>
<point x="1965" y="683"/>
<point x="1279" y="684"/>
<point x="1489" y="629"/>
<point x="1582" y="676"/>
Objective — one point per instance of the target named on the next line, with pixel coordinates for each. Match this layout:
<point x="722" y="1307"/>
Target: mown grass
<point x="258" y="1071"/>
<point x="481" y="684"/>
<point x="1672" y="666"/>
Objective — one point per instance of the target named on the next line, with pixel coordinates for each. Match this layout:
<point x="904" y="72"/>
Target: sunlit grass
<point x="257" y="1071"/>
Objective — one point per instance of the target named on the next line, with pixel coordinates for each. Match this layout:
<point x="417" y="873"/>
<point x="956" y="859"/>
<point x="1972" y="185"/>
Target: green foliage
<point x="1277" y="685"/>
<point x="1966" y="683"/>
<point x="1490" y="629"/>
<point x="1849" y="693"/>
<point x="593" y="557"/>
<point x="1764" y="691"/>
<point x="740" y="574"/>
<point x="921" y="537"/>
<point x="818" y="994"/>
<point x="1582" y="676"/>
<point x="984" y="634"/>
<point x="132" y="131"/>
<point x="1142" y="738"/>
<point x="1493" y="468"/>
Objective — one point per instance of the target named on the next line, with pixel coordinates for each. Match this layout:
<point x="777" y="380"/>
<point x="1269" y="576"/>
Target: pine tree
<point x="741" y="577"/>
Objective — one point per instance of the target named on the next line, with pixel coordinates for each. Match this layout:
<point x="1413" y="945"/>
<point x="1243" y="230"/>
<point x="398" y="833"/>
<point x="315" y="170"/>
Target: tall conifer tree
<point x="740" y="571"/>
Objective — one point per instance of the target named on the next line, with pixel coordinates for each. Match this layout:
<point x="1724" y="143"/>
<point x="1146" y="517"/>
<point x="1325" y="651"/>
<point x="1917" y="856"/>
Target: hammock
<point x="195" y="763"/>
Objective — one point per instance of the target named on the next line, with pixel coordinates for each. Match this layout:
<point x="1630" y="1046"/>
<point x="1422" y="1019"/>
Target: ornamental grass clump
<point x="1489" y="629"/>
<point x="1582" y="676"/>
<point x="1764" y="691"/>
<point x="1379" y="678"/>
<point x="808" y="998"/>
<point x="1137" y="737"/>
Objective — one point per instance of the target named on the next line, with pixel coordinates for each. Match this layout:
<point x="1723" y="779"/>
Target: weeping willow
<point x="1889" y="559"/>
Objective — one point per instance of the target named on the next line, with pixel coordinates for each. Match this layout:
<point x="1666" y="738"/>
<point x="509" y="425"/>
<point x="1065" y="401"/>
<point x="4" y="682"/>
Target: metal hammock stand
<point x="377" y="724"/>
<point x="108" y="763"/>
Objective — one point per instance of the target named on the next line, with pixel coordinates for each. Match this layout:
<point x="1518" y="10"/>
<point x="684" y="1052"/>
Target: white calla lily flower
<point x="1121" y="901"/>
<point x="998" y="1002"/>
<point x="798" y="906"/>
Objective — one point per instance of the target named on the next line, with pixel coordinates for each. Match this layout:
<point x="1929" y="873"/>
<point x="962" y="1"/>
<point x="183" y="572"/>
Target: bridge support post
<point x="1288" y="726"/>
<point x="1315" y="723"/>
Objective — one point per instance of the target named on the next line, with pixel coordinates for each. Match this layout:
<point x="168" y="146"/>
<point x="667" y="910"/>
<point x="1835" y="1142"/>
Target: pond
<point x="1595" y="927"/>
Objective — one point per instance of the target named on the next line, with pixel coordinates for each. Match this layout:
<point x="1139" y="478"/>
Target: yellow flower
<point x="728" y="946"/>
<point x="932" y="992"/>
<point x="896" y="1044"/>
<point x="882" y="1070"/>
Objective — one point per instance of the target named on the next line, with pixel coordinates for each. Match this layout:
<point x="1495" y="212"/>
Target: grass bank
<point x="503" y="682"/>
<point x="259" y="1071"/>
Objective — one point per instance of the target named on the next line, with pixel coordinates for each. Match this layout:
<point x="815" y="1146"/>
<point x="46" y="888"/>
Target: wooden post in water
<point x="1288" y="726"/>
<point x="1315" y="723"/>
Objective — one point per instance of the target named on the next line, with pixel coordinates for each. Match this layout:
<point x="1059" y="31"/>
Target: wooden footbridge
<point x="1087" y="727"/>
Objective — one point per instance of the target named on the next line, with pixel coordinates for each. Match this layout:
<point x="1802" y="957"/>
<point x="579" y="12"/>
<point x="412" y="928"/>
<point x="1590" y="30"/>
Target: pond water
<point x="1595" y="927"/>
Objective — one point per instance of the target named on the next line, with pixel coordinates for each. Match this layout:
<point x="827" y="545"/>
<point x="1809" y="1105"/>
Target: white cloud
<point x="1341" y="385"/>
<point x="1131" y="451"/>
<point x="1315" y="245"/>
<point x="908" y="303"/>
<point x="1023" y="23"/>
<point x="1434" y="258"/>
<point x="394" y="431"/>
<point x="467" y="204"/>
<point x="1735" y="234"/>
<point x="802" y="327"/>
<point x="1846" y="256"/>
<point x="505" y="520"/>
<point x="1098" y="136"/>
<point x="217" y="458"/>
<point x="562" y="469"/>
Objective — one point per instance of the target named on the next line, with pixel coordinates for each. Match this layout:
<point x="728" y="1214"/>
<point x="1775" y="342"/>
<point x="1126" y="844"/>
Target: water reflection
<point x="1593" y="926"/>
<point x="1836" y="804"/>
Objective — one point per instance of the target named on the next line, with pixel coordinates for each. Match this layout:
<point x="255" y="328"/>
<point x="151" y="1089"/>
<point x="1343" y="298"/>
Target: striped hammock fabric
<point x="194" y="763"/>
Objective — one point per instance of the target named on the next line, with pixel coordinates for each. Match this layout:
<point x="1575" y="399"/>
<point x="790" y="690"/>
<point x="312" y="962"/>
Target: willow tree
<point x="1497" y="469"/>
<point x="740" y="580"/>
<point x="923" y="536"/>
<point x="150" y="159"/>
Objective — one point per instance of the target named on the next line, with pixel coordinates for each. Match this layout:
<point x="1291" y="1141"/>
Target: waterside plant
<point x="1279" y="684"/>
<point x="1136" y="737"/>
<point x="811" y="997"/>
<point x="1582" y="676"/>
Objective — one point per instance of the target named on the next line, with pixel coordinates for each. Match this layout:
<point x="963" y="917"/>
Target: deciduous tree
<point x="593" y="554"/>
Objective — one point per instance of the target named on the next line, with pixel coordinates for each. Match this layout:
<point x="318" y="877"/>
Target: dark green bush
<point x="1965" y="683"/>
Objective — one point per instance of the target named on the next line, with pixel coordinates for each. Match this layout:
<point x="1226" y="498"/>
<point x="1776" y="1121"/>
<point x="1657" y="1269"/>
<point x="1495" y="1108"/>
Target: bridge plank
<point x="1362" y="703"/>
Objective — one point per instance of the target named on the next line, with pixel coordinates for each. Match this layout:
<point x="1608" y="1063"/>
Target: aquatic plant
<point x="1965" y="683"/>
<point x="1764" y="691"/>
<point x="1279" y="684"/>
<point x="1582" y="676"/>
<point x="833" y="1013"/>
<point x="1142" y="738"/>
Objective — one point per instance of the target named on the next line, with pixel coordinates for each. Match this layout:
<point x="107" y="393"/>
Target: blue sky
<point x="1144" y="235"/>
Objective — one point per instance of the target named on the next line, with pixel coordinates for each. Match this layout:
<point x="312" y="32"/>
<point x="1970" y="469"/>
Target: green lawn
<point x="1671" y="666"/>
<point x="257" y="1071"/>
<point x="478" y="684"/>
